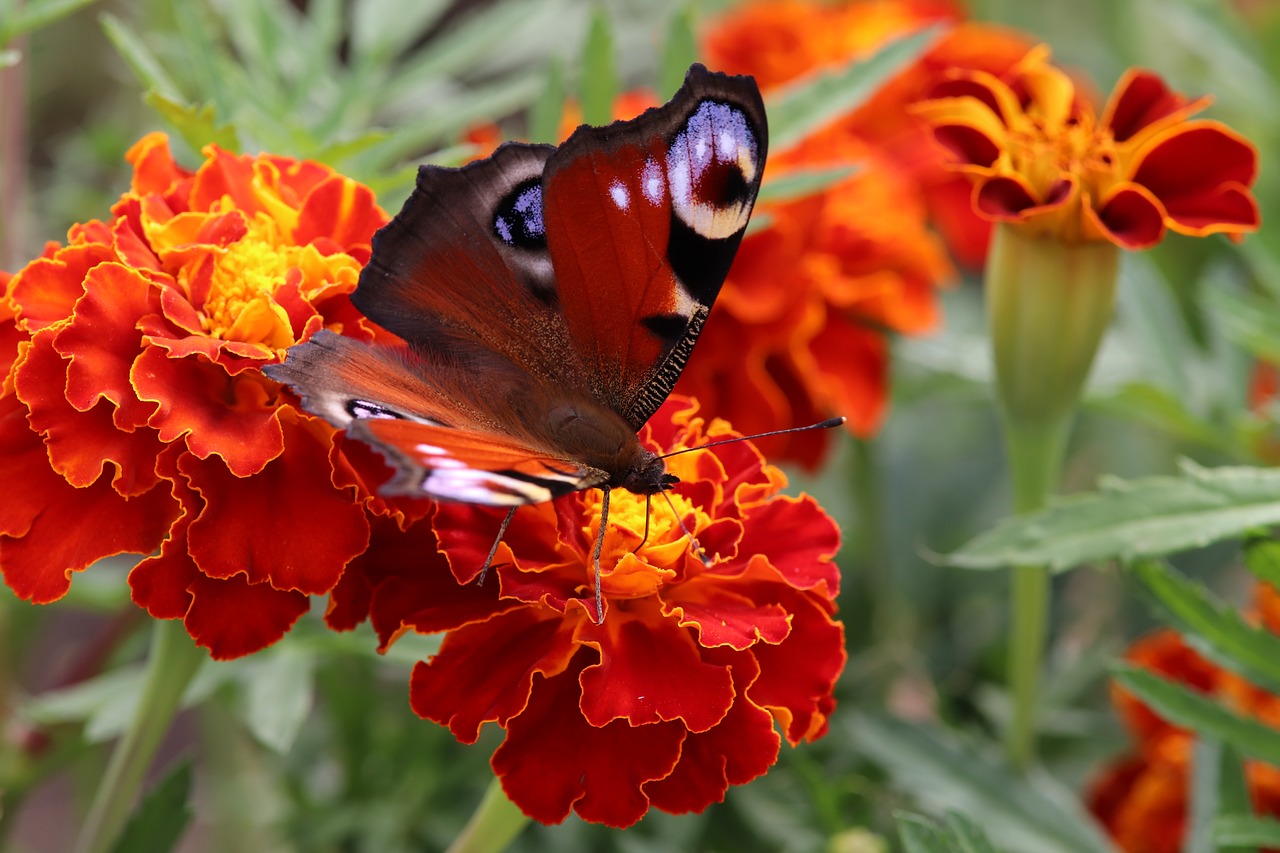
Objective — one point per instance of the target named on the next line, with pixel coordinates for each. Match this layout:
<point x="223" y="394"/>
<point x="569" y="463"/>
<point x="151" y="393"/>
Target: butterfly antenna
<point x="488" y="561"/>
<point x="693" y="540"/>
<point x="595" y="554"/>
<point x="827" y="424"/>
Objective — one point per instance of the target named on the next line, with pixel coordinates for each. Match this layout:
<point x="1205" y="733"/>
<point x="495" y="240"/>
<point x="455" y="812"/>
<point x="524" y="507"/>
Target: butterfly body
<point x="548" y="299"/>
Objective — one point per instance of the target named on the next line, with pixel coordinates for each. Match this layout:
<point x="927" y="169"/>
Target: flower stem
<point x="494" y="824"/>
<point x="173" y="661"/>
<point x="1048" y="304"/>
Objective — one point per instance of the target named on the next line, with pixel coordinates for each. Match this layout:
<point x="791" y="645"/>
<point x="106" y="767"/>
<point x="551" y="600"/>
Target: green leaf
<point x="803" y="182"/>
<point x="1239" y="830"/>
<point x="1030" y="813"/>
<point x="800" y="109"/>
<point x="679" y="51"/>
<point x="1251" y="321"/>
<point x="197" y="125"/>
<point x="278" y="696"/>
<point x="1184" y="707"/>
<point x="382" y="29"/>
<point x="1217" y="786"/>
<point x="140" y="58"/>
<point x="546" y="112"/>
<point x="1217" y="628"/>
<point x="967" y="836"/>
<point x="1148" y="517"/>
<point x="34" y="14"/>
<point x="1262" y="557"/>
<point x="1161" y="409"/>
<point x="162" y="816"/>
<point x="599" y="80"/>
<point x="921" y="835"/>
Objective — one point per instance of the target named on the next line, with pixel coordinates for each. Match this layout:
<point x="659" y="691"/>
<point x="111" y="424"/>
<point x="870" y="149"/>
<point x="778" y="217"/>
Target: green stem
<point x="1035" y="460"/>
<point x="495" y="824"/>
<point x="173" y="661"/>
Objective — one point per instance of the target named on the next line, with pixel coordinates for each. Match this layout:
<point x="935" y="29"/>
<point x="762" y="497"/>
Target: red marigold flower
<point x="1142" y="798"/>
<point x="1040" y="157"/>
<point x="675" y="696"/>
<point x="135" y="418"/>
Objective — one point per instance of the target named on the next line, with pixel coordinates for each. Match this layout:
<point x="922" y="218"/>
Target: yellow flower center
<point x="240" y="305"/>
<point x="1078" y="146"/>
<point x="642" y="573"/>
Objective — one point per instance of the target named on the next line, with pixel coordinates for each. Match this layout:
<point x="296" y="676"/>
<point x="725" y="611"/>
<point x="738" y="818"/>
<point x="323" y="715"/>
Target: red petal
<point x="315" y="530"/>
<point x="1200" y="173"/>
<point x="102" y="341"/>
<point x="1005" y="197"/>
<point x="553" y="760"/>
<point x="1132" y="218"/>
<point x="968" y="144"/>
<point x="46" y="290"/>
<point x="52" y="529"/>
<point x="483" y="673"/>
<point x="854" y="362"/>
<point x="80" y="444"/>
<point x="805" y="559"/>
<point x="651" y="673"/>
<point x="159" y="584"/>
<point x="1140" y="100"/>
<point x="220" y="415"/>
<point x="341" y="210"/>
<point x="798" y="676"/>
<point x="744" y="746"/>
<point x="232" y="617"/>
<point x="725" y="618"/>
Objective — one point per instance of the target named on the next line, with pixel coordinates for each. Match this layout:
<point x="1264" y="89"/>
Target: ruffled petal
<point x="1132" y="218"/>
<point x="1199" y="172"/>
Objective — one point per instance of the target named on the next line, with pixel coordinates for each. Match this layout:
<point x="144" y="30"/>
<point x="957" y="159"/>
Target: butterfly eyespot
<point x="517" y="221"/>
<point x="712" y="166"/>
<point x="360" y="409"/>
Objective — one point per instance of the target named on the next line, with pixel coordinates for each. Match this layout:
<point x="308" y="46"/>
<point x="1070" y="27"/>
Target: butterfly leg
<point x="648" y="507"/>
<point x="502" y="530"/>
<point x="693" y="540"/>
<point x="595" y="554"/>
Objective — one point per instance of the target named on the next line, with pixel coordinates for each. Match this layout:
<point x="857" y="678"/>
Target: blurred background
<point x="311" y="745"/>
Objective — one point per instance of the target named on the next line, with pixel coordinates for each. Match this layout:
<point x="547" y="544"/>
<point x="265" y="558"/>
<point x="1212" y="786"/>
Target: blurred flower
<point x="800" y="329"/>
<point x="1040" y="158"/>
<point x="675" y="696"/>
<point x="135" y="417"/>
<point x="1142" y="799"/>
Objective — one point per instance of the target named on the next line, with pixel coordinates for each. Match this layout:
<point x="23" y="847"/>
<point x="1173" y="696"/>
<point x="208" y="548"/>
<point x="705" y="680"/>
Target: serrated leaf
<point x="1218" y="630"/>
<point x="598" y="83"/>
<point x="921" y="835"/>
<point x="803" y="182"/>
<point x="801" y="108"/>
<point x="1149" y="517"/>
<point x="34" y="14"/>
<point x="1030" y="813"/>
<point x="1238" y="830"/>
<point x="679" y="51"/>
<point x="1184" y="707"/>
<point x="1262" y="557"/>
<point x="545" y="112"/>
<point x="140" y="58"/>
<point x="197" y="125"/>
<point x="161" y="817"/>
<point x="278" y="696"/>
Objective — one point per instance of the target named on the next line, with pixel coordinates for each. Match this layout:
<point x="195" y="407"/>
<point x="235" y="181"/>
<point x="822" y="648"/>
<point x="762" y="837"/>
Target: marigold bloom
<point x="1042" y="159"/>
<point x="1142" y="799"/>
<point x="675" y="696"/>
<point x="800" y="327"/>
<point x="135" y="417"/>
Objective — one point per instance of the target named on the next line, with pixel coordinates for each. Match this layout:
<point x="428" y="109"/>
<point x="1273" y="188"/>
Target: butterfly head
<point x="647" y="475"/>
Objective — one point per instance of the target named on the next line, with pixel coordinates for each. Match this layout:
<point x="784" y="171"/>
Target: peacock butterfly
<point x="548" y="298"/>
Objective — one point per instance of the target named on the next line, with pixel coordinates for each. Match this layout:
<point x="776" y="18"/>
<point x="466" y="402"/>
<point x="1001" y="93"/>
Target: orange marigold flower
<point x="135" y="418"/>
<point x="1042" y="159"/>
<point x="675" y="696"/>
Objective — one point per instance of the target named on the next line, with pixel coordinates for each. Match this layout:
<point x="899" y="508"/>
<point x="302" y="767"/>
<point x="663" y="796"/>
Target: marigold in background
<point x="1143" y="798"/>
<point x="801" y="327"/>
<point x="1041" y="158"/>
<point x="676" y="695"/>
<point x="134" y="416"/>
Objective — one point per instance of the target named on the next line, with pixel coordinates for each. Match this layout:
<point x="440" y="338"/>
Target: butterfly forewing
<point x="643" y="218"/>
